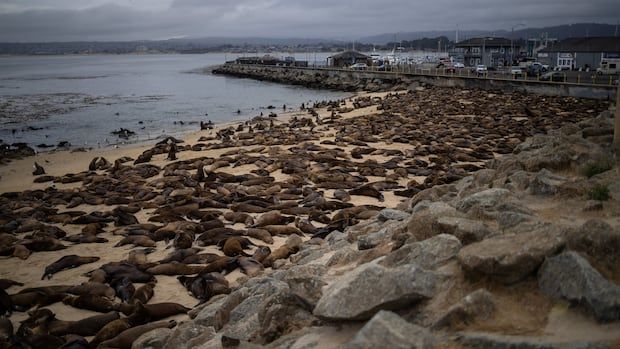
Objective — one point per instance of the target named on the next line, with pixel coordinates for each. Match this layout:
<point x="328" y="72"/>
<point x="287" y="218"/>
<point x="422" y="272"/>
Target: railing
<point x="569" y="78"/>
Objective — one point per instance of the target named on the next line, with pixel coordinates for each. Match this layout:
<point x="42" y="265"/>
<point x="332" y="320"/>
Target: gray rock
<point x="570" y="277"/>
<point x="305" y="281"/>
<point x="222" y="313"/>
<point x="483" y="200"/>
<point x="599" y="241"/>
<point x="183" y="333"/>
<point x="153" y="339"/>
<point x="283" y="313"/>
<point x="423" y="222"/>
<point x="198" y="309"/>
<point x="370" y="287"/>
<point x="512" y="257"/>
<point x="388" y="330"/>
<point x="208" y="314"/>
<point x="509" y="219"/>
<point x="278" y="264"/>
<point x="546" y="183"/>
<point x="293" y="240"/>
<point x="476" y="305"/>
<point x="427" y="254"/>
<point x="205" y="336"/>
<point x="308" y="255"/>
<point x="344" y="256"/>
<point x="481" y="340"/>
<point x="373" y="240"/>
<point x="466" y="230"/>
<point x="335" y="237"/>
<point x="392" y="214"/>
<point x="243" y="323"/>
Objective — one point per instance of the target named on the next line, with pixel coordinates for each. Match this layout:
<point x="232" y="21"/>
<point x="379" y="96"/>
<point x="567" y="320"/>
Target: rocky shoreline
<point x="430" y="218"/>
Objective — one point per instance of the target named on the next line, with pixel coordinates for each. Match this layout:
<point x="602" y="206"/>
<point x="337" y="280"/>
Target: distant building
<point x="580" y="53"/>
<point x="348" y="58"/>
<point x="264" y="60"/>
<point x="534" y="45"/>
<point x="490" y="51"/>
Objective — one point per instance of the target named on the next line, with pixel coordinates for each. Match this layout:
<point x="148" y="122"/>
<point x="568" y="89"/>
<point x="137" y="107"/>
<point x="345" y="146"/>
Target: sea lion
<point x="367" y="190"/>
<point x="38" y="170"/>
<point x="201" y="258"/>
<point x="160" y="311"/>
<point x="248" y="208"/>
<point x="232" y="248"/>
<point x="281" y="252"/>
<point x="110" y="330"/>
<point x="44" y="341"/>
<point x="139" y="256"/>
<point x="90" y="302"/>
<point x="272" y="218"/>
<point x="305" y="226"/>
<point x="6" y="330"/>
<point x="43" y="244"/>
<point x="260" y="234"/>
<point x="282" y="230"/>
<point x="180" y="254"/>
<point x="75" y="342"/>
<point x="37" y="298"/>
<point x="97" y="275"/>
<point x="221" y="265"/>
<point x="250" y="266"/>
<point x="6" y="303"/>
<point x="174" y="268"/>
<point x="93" y="288"/>
<point x="67" y="262"/>
<point x="261" y="253"/>
<point x="124" y="288"/>
<point x="137" y="240"/>
<point x="88" y="326"/>
<point x="239" y="217"/>
<point x="183" y="240"/>
<point x="342" y="195"/>
<point x="143" y="294"/>
<point x="205" y="285"/>
<point x="6" y="283"/>
<point x="126" y="338"/>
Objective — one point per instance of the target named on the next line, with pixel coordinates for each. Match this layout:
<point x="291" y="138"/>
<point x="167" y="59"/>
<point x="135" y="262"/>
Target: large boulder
<point x="388" y="330"/>
<point x="466" y="230"/>
<point x="512" y="257"/>
<point x="483" y="340"/>
<point x="283" y="313"/>
<point x="427" y="254"/>
<point x="305" y="281"/>
<point x="155" y="339"/>
<point x="570" y="277"/>
<point x="370" y="287"/>
<point x="600" y="242"/>
<point x="185" y="332"/>
<point x="423" y="222"/>
<point x="476" y="305"/>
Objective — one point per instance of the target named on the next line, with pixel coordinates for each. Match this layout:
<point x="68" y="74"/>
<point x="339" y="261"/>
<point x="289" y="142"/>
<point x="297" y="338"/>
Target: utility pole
<point x="616" y="144"/>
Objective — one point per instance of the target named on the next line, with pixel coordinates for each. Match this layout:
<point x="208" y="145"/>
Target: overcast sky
<point x="69" y="20"/>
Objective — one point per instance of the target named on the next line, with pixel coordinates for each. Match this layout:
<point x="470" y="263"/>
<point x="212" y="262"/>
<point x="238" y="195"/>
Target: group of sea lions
<point x="304" y="177"/>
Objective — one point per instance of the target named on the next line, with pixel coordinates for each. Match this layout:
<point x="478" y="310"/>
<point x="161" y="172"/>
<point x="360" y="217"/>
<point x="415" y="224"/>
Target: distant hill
<point x="559" y="32"/>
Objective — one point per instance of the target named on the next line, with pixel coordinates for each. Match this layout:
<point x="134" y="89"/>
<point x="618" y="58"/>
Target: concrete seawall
<point x="347" y="80"/>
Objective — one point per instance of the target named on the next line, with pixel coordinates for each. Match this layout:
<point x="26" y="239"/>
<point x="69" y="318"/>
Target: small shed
<point x="348" y="58"/>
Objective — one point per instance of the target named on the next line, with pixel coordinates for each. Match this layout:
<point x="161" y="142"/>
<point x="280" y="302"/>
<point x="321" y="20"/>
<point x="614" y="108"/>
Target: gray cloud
<point x="62" y="20"/>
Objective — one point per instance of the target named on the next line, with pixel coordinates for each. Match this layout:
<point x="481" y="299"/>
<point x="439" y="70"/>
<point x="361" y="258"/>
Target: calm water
<point x="82" y="99"/>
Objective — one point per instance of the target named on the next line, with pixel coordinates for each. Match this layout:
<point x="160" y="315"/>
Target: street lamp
<point x="512" y="36"/>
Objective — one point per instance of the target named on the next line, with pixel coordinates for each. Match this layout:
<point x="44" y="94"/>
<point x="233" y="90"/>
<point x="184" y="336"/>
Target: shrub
<point x="599" y="192"/>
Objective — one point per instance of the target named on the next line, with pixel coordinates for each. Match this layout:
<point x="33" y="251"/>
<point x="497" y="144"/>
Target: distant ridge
<point x="559" y="32"/>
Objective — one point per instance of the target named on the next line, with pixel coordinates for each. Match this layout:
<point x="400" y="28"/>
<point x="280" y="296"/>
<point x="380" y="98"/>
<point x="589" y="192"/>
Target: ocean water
<point x="83" y="99"/>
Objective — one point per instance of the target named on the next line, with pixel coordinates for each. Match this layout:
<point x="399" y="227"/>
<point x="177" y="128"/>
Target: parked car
<point x="553" y="76"/>
<point x="481" y="69"/>
<point x="537" y="68"/>
<point x="458" y="65"/>
<point x="359" y="66"/>
<point x="516" y="71"/>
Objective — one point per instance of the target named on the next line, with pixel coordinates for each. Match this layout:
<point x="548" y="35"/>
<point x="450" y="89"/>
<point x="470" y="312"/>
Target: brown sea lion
<point x="38" y="170"/>
<point x="6" y="283"/>
<point x="124" y="288"/>
<point x="221" y="265"/>
<point x="261" y="253"/>
<point x="367" y="190"/>
<point x="67" y="262"/>
<point x="183" y="240"/>
<point x="232" y="248"/>
<point x="272" y="218"/>
<point x="239" y="217"/>
<point x="305" y="226"/>
<point x="260" y="234"/>
<point x="90" y="302"/>
<point x="282" y="230"/>
<point x="94" y="288"/>
<point x="174" y="268"/>
<point x="159" y="311"/>
<point x="126" y="338"/>
<point x="201" y="258"/>
<point x="281" y="252"/>
<point x="97" y="275"/>
<point x="205" y="285"/>
<point x="21" y="252"/>
<point x="139" y="256"/>
<point x="143" y="294"/>
<point x="37" y="298"/>
<point x="342" y="195"/>
<point x="6" y="303"/>
<point x="137" y="240"/>
<point x="180" y="254"/>
<point x="85" y="327"/>
<point x="250" y="266"/>
<point x="110" y="330"/>
<point x="248" y="208"/>
<point x="6" y="330"/>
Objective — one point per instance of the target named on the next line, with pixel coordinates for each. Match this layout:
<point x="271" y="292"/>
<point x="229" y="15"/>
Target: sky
<point x="115" y="20"/>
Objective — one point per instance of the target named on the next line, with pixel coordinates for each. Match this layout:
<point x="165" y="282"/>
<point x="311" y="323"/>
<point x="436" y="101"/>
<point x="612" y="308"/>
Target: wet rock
<point x="392" y="214"/>
<point x="427" y="254"/>
<point x="388" y="330"/>
<point x="360" y="293"/>
<point x="570" y="277"/>
<point x="511" y="257"/>
<point x="476" y="305"/>
<point x="155" y="339"/>
<point x="466" y="230"/>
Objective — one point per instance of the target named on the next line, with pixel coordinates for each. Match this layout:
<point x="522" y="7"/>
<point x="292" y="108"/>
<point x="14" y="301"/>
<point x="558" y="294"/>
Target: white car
<point x="458" y="65"/>
<point x="481" y="69"/>
<point x="516" y="71"/>
<point x="359" y="66"/>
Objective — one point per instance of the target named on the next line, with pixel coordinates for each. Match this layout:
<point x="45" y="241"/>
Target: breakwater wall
<point x="374" y="81"/>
